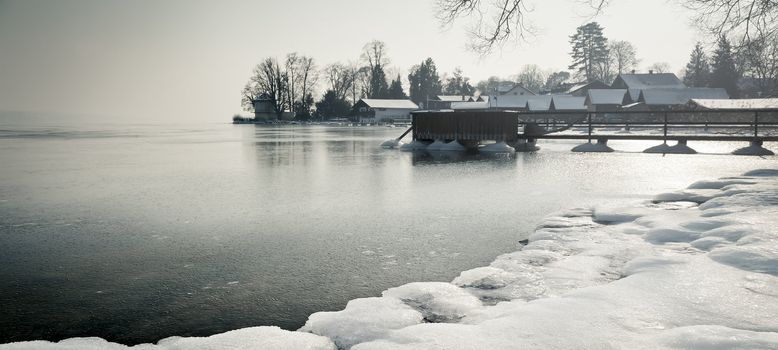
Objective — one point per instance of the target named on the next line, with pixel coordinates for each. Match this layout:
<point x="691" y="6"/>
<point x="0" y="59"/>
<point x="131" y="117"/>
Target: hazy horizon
<point x="151" y="61"/>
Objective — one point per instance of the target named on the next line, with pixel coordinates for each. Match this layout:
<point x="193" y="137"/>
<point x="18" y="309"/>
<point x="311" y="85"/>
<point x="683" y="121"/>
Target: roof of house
<point x="396" y="104"/>
<point x="505" y="89"/>
<point x="647" y="81"/>
<point x="749" y="103"/>
<point x="539" y="103"/>
<point x="680" y="96"/>
<point x="509" y="101"/>
<point x="469" y="105"/>
<point x="567" y="103"/>
<point x="595" y="84"/>
<point x="454" y="98"/>
<point x="605" y="97"/>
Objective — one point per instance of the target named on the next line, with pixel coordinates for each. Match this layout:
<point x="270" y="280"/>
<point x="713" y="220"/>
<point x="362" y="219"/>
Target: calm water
<point x="138" y="232"/>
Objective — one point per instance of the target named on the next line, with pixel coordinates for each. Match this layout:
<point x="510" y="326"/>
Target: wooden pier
<point x="472" y="127"/>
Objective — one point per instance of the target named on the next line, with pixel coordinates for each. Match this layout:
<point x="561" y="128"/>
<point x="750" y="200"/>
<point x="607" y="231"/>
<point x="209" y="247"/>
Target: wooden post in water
<point x="589" y="115"/>
<point x="756" y="124"/>
<point x="665" y="131"/>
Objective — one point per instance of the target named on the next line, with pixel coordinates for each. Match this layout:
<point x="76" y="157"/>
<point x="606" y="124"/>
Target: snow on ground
<point x="691" y="269"/>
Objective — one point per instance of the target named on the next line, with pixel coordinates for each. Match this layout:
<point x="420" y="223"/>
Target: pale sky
<point x="166" y="60"/>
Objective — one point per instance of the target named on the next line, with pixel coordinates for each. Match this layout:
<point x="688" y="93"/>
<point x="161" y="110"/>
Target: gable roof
<point x="469" y="105"/>
<point x="680" y="96"/>
<point x="509" y="101"/>
<point x="539" y="103"/>
<point x="454" y="98"/>
<point x="567" y="103"/>
<point x="647" y="81"/>
<point x="395" y="104"/>
<point x="505" y="89"/>
<point x="605" y="97"/>
<point x="746" y="103"/>
<point x="582" y="88"/>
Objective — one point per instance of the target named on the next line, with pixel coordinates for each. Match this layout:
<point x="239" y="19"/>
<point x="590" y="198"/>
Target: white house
<point x="370" y="110"/>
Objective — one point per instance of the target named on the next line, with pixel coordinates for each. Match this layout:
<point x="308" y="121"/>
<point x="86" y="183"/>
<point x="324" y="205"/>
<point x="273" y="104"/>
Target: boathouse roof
<point x="455" y="98"/>
<point x="647" y="81"/>
<point x="567" y="103"/>
<point x="680" y="96"/>
<point x="539" y="103"/>
<point x="605" y="97"/>
<point x="393" y="104"/>
<point x="746" y="103"/>
<point x="469" y="105"/>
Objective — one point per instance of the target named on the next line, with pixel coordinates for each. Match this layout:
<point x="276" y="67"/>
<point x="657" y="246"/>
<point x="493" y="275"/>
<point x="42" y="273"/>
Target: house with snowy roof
<point x="605" y="100"/>
<point x="636" y="82"/>
<point x="567" y="103"/>
<point x="513" y="90"/>
<point x="371" y="110"/>
<point x="666" y="99"/>
<point x="539" y="103"/>
<point x="582" y="89"/>
<point x="745" y="104"/>
<point x="444" y="101"/>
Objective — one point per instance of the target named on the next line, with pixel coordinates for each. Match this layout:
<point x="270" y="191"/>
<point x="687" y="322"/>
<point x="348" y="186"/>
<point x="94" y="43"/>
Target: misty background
<point x="175" y="60"/>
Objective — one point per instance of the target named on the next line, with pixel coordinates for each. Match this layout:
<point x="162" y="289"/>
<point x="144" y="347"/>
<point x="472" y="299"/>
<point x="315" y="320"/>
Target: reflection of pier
<point x="522" y="128"/>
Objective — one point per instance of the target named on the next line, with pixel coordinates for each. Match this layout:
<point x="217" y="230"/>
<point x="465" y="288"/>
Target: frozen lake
<point x="138" y="232"/>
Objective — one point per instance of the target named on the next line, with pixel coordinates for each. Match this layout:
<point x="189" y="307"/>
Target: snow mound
<point x="437" y="301"/>
<point x="499" y="147"/>
<point x="413" y="146"/>
<point x="270" y="338"/>
<point x="753" y="150"/>
<point x="436" y="146"/>
<point x="662" y="148"/>
<point x="362" y="320"/>
<point x="393" y="143"/>
<point x="453" y="146"/>
<point x="592" y="147"/>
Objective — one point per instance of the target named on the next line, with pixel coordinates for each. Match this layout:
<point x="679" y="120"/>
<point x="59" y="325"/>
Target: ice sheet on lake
<point x="696" y="268"/>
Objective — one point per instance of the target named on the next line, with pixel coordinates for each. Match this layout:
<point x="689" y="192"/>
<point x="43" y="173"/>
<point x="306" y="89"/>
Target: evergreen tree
<point x="724" y="73"/>
<point x="396" y="90"/>
<point x="698" y="69"/>
<point x="332" y="106"/>
<point x="424" y="82"/>
<point x="458" y="84"/>
<point x="378" y="86"/>
<point x="590" y="51"/>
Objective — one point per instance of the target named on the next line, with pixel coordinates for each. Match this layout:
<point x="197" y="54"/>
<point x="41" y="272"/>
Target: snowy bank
<point x="696" y="268"/>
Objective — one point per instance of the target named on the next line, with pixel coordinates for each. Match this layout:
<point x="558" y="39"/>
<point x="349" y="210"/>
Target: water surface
<point x="138" y="232"/>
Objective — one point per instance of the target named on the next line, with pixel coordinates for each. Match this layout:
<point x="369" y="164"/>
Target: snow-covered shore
<point x="696" y="268"/>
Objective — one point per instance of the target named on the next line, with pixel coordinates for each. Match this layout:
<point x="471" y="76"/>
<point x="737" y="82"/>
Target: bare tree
<point x="267" y="80"/>
<point x="623" y="56"/>
<point x="309" y="76"/>
<point x="749" y="19"/>
<point x="761" y="65"/>
<point x="340" y="79"/>
<point x="532" y="77"/>
<point x="659" y="67"/>
<point x="374" y="54"/>
<point x="495" y="22"/>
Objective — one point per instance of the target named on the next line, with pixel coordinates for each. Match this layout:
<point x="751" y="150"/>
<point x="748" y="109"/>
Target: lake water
<point x="138" y="232"/>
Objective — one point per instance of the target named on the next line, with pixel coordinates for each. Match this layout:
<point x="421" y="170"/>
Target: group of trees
<point x="750" y="70"/>
<point x="291" y="84"/>
<point x="594" y="58"/>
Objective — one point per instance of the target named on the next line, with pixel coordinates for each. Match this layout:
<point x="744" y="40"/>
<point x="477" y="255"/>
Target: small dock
<point x="519" y="129"/>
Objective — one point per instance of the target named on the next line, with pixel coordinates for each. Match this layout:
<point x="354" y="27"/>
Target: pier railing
<point x="466" y="126"/>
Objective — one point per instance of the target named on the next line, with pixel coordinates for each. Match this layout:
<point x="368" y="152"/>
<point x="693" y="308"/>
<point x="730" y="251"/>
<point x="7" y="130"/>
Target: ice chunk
<point x="484" y="278"/>
<point x="362" y="320"/>
<point x="245" y="338"/>
<point x="437" y="301"/>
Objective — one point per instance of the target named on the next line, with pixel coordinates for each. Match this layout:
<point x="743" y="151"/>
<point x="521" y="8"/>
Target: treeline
<point x="291" y="84"/>
<point x="749" y="69"/>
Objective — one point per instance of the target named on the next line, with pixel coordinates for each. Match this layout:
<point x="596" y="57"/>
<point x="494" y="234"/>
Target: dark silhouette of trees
<point x="590" y="51"/>
<point x="332" y="106"/>
<point x="724" y="72"/>
<point x="458" y="84"/>
<point x="697" y="70"/>
<point x="267" y="80"/>
<point x="396" y="90"/>
<point x="424" y="82"/>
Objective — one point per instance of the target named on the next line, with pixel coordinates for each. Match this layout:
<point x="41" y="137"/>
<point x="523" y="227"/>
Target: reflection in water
<point x="193" y="230"/>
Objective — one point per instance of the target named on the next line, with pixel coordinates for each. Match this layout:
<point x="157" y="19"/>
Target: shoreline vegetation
<point x="695" y="268"/>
